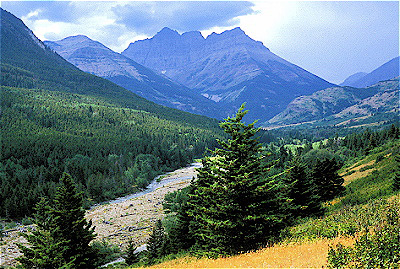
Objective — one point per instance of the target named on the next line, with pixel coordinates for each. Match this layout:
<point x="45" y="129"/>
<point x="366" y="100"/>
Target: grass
<point x="306" y="255"/>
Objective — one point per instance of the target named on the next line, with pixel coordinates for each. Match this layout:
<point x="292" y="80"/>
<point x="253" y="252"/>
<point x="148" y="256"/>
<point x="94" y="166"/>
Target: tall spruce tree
<point x="301" y="190"/>
<point x="44" y="251"/>
<point x="234" y="207"/>
<point x="62" y="235"/>
<point x="156" y="243"/>
<point x="131" y="256"/>
<point x="325" y="176"/>
<point x="72" y="227"/>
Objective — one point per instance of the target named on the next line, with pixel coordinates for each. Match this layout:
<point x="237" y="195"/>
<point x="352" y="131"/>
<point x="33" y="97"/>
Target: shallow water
<point x="151" y="187"/>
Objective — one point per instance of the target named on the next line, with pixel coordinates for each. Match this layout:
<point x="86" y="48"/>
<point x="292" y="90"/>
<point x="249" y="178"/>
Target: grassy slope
<point x="307" y="244"/>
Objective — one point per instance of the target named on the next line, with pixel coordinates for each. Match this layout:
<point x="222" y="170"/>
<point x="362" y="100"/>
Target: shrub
<point x="105" y="251"/>
<point x="377" y="249"/>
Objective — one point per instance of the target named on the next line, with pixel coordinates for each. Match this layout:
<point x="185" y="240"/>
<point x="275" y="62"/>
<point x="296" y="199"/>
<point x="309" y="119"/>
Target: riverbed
<point x="122" y="219"/>
<point x="133" y="216"/>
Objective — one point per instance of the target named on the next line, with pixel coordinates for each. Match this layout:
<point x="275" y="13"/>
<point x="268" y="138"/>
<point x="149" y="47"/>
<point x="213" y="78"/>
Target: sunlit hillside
<point x="366" y="204"/>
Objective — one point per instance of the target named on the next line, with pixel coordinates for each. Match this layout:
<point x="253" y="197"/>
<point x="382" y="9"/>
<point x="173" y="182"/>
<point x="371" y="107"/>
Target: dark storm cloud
<point x="150" y="17"/>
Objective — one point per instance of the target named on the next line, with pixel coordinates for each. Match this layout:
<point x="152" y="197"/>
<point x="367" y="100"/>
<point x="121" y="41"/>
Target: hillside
<point x="229" y="68"/>
<point x="365" y="205"/>
<point x="57" y="118"/>
<point x="343" y="105"/>
<point x="27" y="63"/>
<point x="95" y="58"/>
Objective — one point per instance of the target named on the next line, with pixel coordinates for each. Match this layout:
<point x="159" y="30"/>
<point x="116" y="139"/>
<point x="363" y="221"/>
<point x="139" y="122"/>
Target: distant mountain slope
<point x="229" y="68"/>
<point x="341" y="103"/>
<point x="386" y="71"/>
<point x="95" y="58"/>
<point x="352" y="79"/>
<point x="26" y="62"/>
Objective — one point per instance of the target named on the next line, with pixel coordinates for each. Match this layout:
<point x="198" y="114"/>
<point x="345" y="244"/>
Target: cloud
<point x="116" y="23"/>
<point x="150" y="17"/>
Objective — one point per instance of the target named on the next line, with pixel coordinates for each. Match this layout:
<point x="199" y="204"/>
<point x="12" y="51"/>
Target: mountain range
<point x="229" y="68"/>
<point x="213" y="76"/>
<point x="341" y="105"/>
<point x="55" y="118"/>
<point x="95" y="58"/>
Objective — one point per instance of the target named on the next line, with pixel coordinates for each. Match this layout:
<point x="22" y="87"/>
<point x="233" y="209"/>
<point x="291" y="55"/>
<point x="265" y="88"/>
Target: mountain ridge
<point x="229" y="68"/>
<point x="341" y="103"/>
<point x="386" y="71"/>
<point x="95" y="58"/>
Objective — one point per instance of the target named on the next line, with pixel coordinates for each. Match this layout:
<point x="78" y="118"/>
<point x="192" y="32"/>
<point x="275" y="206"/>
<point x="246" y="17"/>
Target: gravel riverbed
<point x="122" y="219"/>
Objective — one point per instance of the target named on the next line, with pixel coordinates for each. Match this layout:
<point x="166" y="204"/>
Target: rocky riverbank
<point x="118" y="221"/>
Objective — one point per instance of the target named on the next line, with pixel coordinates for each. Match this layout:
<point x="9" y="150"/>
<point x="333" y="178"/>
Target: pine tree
<point x="234" y="206"/>
<point x="328" y="182"/>
<point x="156" y="243"/>
<point x="302" y="191"/>
<point x="44" y="251"/>
<point x="131" y="256"/>
<point x="71" y="225"/>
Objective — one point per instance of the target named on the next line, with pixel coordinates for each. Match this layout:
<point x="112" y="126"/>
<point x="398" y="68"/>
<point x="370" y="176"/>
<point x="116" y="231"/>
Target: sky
<point x="332" y="39"/>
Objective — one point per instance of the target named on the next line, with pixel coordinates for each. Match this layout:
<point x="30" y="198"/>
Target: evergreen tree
<point x="178" y="221"/>
<point x="302" y="191"/>
<point x="131" y="256"/>
<point x="71" y="225"/>
<point x="156" y="243"/>
<point x="328" y="182"/>
<point x="44" y="251"/>
<point x="233" y="206"/>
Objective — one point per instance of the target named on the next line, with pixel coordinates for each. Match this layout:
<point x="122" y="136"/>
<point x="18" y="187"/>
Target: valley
<point x="98" y="150"/>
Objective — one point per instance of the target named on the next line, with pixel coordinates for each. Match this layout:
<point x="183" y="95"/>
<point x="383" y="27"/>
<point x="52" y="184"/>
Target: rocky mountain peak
<point x="193" y="36"/>
<point x="166" y="33"/>
<point x="67" y="46"/>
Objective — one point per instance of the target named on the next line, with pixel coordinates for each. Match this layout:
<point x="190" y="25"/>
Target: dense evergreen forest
<point x="109" y="150"/>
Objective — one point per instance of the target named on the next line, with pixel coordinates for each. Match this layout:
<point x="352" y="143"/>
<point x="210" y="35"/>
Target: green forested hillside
<point x="27" y="63"/>
<point x="56" y="118"/>
<point x="108" y="149"/>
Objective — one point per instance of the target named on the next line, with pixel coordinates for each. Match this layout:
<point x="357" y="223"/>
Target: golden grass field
<point x="300" y="255"/>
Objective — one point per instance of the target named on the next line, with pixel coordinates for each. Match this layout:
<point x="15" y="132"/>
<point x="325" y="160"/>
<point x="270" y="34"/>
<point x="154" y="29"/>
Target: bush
<point x="377" y="249"/>
<point x="105" y="251"/>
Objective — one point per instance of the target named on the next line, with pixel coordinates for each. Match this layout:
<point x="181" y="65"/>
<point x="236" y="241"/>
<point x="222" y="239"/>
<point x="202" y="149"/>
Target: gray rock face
<point x="95" y="58"/>
<point x="228" y="68"/>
